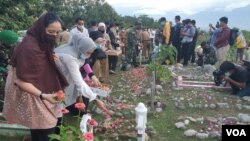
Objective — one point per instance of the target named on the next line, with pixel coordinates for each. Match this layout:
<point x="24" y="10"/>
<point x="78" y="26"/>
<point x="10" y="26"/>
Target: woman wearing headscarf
<point x="33" y="79"/>
<point x="71" y="57"/>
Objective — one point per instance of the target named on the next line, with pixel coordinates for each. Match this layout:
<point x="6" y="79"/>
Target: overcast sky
<point x="204" y="11"/>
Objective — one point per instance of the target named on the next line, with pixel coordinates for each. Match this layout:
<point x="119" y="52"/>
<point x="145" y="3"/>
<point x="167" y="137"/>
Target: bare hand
<point x="101" y="105"/>
<point x="226" y="78"/>
<point x="96" y="81"/>
<point x="50" y="98"/>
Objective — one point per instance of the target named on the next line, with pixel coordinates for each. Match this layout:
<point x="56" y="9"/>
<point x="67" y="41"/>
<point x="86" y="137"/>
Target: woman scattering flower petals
<point x="88" y="136"/>
<point x="80" y="106"/>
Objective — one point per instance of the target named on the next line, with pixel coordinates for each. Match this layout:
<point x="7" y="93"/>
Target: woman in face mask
<point x="33" y="78"/>
<point x="71" y="57"/>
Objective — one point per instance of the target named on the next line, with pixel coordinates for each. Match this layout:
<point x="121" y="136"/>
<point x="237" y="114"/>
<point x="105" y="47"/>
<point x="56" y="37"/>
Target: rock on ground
<point x="180" y="125"/>
<point x="244" y="117"/>
<point x="190" y="132"/>
<point x="223" y="105"/>
<point x="202" y="135"/>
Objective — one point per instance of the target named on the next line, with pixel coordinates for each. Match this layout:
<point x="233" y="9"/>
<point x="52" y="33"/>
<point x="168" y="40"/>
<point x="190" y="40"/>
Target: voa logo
<point x="236" y="132"/>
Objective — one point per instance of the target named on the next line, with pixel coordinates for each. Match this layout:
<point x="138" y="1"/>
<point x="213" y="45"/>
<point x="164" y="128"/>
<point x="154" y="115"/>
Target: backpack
<point x="233" y="36"/>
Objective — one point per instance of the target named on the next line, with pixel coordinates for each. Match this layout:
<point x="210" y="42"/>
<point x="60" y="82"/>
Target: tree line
<point x="20" y="14"/>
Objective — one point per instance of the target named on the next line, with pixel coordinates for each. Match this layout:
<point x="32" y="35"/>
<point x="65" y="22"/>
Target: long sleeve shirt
<point x="70" y="67"/>
<point x="222" y="38"/>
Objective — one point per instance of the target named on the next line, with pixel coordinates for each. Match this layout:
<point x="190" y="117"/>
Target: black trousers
<point x="186" y="52"/>
<point x="41" y="134"/>
<point x="112" y="62"/>
<point x="192" y="52"/>
<point x="178" y="49"/>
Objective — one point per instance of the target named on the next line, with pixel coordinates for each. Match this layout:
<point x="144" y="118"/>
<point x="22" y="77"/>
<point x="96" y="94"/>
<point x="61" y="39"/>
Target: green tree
<point x="17" y="14"/>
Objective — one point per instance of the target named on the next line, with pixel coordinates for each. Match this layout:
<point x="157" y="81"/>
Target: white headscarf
<point x="77" y="47"/>
<point x="102" y="24"/>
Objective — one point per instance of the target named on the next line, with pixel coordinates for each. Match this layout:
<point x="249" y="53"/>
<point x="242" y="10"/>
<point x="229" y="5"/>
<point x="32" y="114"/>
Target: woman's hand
<point x="50" y="98"/>
<point x="101" y="105"/>
<point x="96" y="81"/>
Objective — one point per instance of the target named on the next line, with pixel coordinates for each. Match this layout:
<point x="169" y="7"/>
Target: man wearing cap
<point x="134" y="43"/>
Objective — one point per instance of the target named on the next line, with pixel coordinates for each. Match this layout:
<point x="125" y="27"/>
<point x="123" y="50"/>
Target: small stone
<point x="202" y="135"/>
<point x="211" y="119"/>
<point x="212" y="106"/>
<point x="117" y="100"/>
<point x="180" y="125"/>
<point x="244" y="117"/>
<point x="246" y="98"/>
<point x="239" y="100"/>
<point x="190" y="132"/>
<point x="223" y="105"/>
<point x="192" y="119"/>
<point x="239" y="106"/>
<point x="159" y="88"/>
<point x="186" y="122"/>
<point x="205" y="106"/>
<point x="176" y="104"/>
<point x="175" y="99"/>
<point x="182" y="98"/>
<point x="214" y="134"/>
<point x="124" y="101"/>
<point x="181" y="106"/>
<point x="246" y="107"/>
<point x="200" y="120"/>
<point x="198" y="106"/>
<point x="148" y="91"/>
<point x="121" y="97"/>
<point x="190" y="105"/>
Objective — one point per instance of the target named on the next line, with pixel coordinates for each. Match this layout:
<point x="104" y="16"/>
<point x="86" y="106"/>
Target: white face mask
<point x="227" y="74"/>
<point x="84" y="57"/>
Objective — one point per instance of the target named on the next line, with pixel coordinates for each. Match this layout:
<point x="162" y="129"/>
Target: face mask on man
<point x="227" y="74"/>
<point x="99" y="46"/>
<point x="80" y="28"/>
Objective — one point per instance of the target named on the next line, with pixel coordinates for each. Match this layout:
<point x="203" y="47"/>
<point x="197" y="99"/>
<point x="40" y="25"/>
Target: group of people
<point x="183" y="36"/>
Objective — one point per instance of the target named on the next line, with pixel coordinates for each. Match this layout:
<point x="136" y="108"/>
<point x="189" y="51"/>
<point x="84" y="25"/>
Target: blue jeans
<point x="244" y="92"/>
